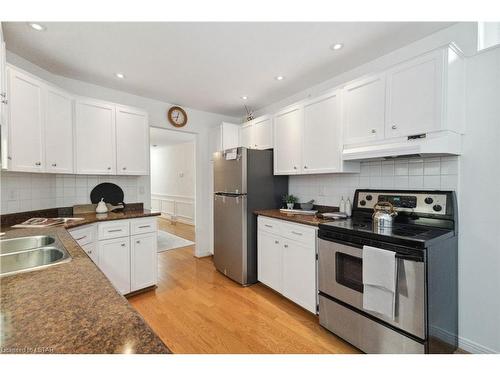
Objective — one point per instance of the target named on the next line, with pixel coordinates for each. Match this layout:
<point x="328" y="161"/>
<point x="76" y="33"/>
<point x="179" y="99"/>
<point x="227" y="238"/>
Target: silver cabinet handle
<point x="297" y="233"/>
<point x="81" y="238"/>
<point x="145" y="226"/>
<point x="114" y="230"/>
<point x="374" y="131"/>
<point x="267" y="225"/>
<point x="394" y="127"/>
<point x="286" y="245"/>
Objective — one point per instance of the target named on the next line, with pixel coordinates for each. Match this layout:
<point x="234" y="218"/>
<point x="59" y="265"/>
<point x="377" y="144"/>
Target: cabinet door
<point x="246" y="135"/>
<point x="3" y="105"/>
<point x="263" y="133"/>
<point x="414" y="96"/>
<point x="25" y="122"/>
<point x="288" y="141"/>
<point x="299" y="274"/>
<point x="95" y="137"/>
<point x="230" y="136"/>
<point x="270" y="260"/>
<point x="91" y="251"/>
<point x="364" y="110"/>
<point x="143" y="258"/>
<point x="58" y="131"/>
<point x="132" y="141"/>
<point x="114" y="262"/>
<point x="322" y="135"/>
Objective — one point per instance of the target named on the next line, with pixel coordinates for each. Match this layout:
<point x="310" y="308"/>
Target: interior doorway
<point x="173" y="186"/>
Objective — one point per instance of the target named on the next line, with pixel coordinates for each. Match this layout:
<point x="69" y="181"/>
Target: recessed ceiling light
<point x="244" y="97"/>
<point x="279" y="78"/>
<point x="120" y="75"/>
<point x="337" y="46"/>
<point x="36" y="26"/>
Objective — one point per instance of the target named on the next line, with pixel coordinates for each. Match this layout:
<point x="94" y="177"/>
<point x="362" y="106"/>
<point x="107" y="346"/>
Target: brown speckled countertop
<point x="71" y="307"/>
<point x="297" y="218"/>
<point x="92" y="217"/>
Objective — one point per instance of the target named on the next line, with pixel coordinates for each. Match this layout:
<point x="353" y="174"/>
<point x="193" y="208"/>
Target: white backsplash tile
<point x="408" y="173"/>
<point x="34" y="191"/>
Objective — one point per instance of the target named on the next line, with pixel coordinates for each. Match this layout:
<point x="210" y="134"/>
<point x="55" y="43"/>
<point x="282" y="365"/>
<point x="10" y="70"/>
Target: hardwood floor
<point x="195" y="309"/>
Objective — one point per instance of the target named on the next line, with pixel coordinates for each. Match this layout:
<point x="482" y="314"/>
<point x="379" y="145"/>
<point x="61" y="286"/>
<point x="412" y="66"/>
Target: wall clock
<point x="177" y="116"/>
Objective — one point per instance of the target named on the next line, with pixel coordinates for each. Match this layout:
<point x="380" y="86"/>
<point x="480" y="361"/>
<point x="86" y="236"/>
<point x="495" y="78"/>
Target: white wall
<point x="173" y="170"/>
<point x="479" y="207"/>
<point x="199" y="123"/>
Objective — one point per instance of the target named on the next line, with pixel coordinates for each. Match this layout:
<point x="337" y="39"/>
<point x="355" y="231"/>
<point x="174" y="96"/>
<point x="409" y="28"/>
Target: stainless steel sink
<point x="24" y="243"/>
<point x="29" y="254"/>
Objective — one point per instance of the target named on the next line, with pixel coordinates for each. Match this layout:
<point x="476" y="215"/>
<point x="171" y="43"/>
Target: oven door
<point x="340" y="268"/>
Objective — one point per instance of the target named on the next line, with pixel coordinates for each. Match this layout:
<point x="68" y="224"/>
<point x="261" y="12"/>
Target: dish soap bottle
<point x="342" y="205"/>
<point x="101" y="207"/>
<point x="348" y="207"/>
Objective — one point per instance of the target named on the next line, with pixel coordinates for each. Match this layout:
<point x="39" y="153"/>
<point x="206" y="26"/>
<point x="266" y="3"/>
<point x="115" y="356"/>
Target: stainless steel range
<point x="392" y="289"/>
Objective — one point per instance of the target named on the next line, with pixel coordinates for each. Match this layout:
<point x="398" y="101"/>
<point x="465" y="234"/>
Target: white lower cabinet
<point x="114" y="262"/>
<point x="143" y="258"/>
<point x="286" y="260"/>
<point x="124" y="250"/>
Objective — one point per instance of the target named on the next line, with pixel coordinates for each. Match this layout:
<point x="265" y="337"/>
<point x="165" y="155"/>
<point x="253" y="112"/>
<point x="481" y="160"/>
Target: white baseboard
<point x="473" y="347"/>
<point x="204" y="254"/>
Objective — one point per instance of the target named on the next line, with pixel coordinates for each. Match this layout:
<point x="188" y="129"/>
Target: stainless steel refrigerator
<point x="243" y="182"/>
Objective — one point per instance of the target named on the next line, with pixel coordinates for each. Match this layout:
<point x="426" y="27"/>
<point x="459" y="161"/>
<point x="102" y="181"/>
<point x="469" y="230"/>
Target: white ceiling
<point x="209" y="66"/>
<point x="164" y="137"/>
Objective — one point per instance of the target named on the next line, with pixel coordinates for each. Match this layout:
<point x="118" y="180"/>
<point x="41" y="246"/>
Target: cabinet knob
<point x="9" y="157"/>
<point x="123" y="245"/>
<point x="54" y="164"/>
<point x="109" y="168"/>
<point x="374" y="131"/>
<point x="294" y="167"/>
<point x="89" y="252"/>
<point x="286" y="245"/>
<point x="124" y="168"/>
<point x="305" y="166"/>
<point x="5" y="101"/>
<point x="276" y="242"/>
<point x="394" y="127"/>
<point x="137" y="241"/>
<point x="38" y="163"/>
<point x="3" y="94"/>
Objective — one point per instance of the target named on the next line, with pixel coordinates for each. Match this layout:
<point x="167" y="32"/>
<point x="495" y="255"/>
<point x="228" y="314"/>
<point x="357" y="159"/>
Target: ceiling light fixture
<point x="279" y="78"/>
<point x="244" y="97"/>
<point x="337" y="46"/>
<point x="36" y="26"/>
<point x="120" y="75"/>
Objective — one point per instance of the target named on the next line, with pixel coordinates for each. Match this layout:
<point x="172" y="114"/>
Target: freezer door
<point x="230" y="236"/>
<point x="230" y="175"/>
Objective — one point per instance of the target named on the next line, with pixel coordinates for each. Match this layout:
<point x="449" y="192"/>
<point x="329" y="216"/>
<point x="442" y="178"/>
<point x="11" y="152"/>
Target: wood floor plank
<point x="196" y="309"/>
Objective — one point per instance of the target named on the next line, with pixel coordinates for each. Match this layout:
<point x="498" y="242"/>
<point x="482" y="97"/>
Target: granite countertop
<point x="71" y="307"/>
<point x="92" y="217"/>
<point x="296" y="218"/>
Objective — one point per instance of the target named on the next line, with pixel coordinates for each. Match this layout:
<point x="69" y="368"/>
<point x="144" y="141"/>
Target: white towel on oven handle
<point x="379" y="281"/>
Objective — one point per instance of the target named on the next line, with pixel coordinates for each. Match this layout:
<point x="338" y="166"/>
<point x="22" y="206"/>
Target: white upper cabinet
<point x="58" y="131"/>
<point x="262" y="133"/>
<point x="414" y="96"/>
<point x="246" y="136"/>
<point x="322" y="136"/>
<point x="364" y="110"/>
<point x="288" y="125"/>
<point x="132" y="141"/>
<point x="95" y="137"/>
<point x="229" y="136"/>
<point x="3" y="102"/>
<point x="25" y="122"/>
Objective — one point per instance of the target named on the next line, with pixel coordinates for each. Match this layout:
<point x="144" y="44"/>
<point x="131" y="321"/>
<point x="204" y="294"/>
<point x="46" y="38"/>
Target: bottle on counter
<point x="348" y="207"/>
<point x="342" y="205"/>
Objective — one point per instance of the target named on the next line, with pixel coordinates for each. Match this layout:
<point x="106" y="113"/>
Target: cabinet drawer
<point x="113" y="229"/>
<point x="300" y="233"/>
<point x="269" y="225"/>
<point x="84" y="235"/>
<point x="140" y="226"/>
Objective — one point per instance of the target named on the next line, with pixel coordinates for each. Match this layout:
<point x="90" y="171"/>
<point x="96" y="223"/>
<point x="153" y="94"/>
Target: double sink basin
<point x="30" y="253"/>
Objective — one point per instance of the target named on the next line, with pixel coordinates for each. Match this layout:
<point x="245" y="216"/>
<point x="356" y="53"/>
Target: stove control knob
<point x="428" y="200"/>
<point x="362" y="203"/>
<point x="437" y="207"/>
<point x="369" y="197"/>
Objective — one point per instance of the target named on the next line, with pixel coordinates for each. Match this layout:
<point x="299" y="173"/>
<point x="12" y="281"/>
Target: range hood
<point x="430" y="144"/>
